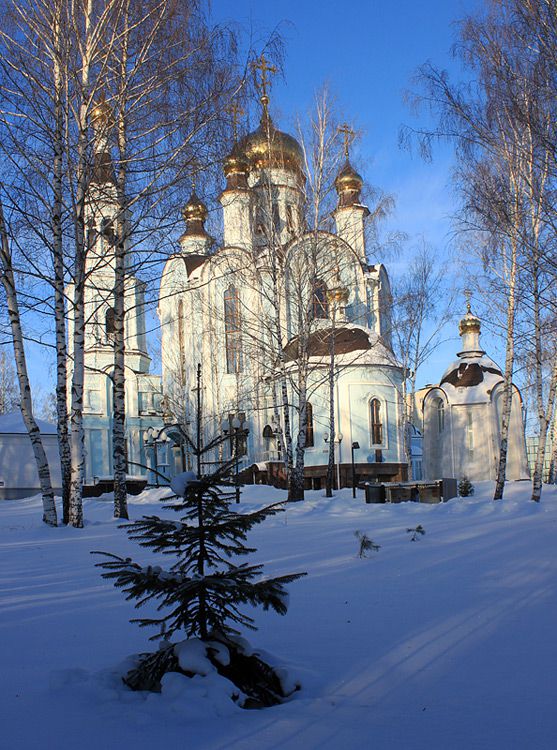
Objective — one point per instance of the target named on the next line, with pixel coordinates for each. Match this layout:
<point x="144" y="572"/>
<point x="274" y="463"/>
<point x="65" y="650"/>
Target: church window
<point x="440" y="415"/>
<point x="94" y="401"/>
<point x="110" y="323"/>
<point x="259" y="220"/>
<point x="268" y="437"/>
<point x="238" y="437"/>
<point x="290" y="218"/>
<point x="232" y="330"/>
<point x="320" y="307"/>
<point x="106" y="229"/>
<point x="376" y="424"/>
<point x="276" y="217"/>
<point x="310" y="437"/>
<point x="470" y="434"/>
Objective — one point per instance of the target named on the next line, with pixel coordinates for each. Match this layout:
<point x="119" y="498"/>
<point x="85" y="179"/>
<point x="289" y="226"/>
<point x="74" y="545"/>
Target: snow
<point x="180" y="482"/>
<point x="13" y="424"/>
<point x="445" y="643"/>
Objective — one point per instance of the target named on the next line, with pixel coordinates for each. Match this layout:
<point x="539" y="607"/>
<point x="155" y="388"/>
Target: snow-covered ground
<point x="448" y="642"/>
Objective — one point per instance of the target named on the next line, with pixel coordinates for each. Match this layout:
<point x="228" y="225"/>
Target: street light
<point x="150" y="442"/>
<point x="236" y="429"/>
<point x="355" y="447"/>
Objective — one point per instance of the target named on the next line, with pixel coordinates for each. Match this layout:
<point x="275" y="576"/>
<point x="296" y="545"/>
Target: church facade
<point x="277" y="308"/>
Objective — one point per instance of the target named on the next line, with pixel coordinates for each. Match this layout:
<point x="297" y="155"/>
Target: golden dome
<point x="194" y="210"/>
<point x="348" y="179"/>
<point x="101" y="114"/>
<point x="469" y="324"/>
<point x="235" y="163"/>
<point x="268" y="147"/>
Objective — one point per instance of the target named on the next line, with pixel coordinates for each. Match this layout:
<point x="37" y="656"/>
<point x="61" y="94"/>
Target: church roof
<point x="471" y="380"/>
<point x="365" y="345"/>
<point x="469" y="374"/>
<point x="13" y="424"/>
<point x="268" y="147"/>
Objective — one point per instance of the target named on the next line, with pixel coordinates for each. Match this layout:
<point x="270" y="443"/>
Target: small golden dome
<point x="348" y="179"/>
<point x="194" y="210"/>
<point x="101" y="114"/>
<point x="235" y="163"/>
<point x="268" y="147"/>
<point x="469" y="324"/>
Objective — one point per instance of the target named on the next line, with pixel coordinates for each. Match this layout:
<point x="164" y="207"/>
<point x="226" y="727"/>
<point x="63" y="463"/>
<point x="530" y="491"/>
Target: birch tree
<point x="26" y="403"/>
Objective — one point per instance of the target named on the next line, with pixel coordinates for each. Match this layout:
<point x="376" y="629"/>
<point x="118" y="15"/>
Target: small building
<point x="18" y="470"/>
<point x="461" y="416"/>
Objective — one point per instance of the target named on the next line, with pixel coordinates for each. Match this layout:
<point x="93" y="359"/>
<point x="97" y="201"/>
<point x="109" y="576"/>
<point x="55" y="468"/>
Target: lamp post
<point x="236" y="429"/>
<point x="150" y="442"/>
<point x="338" y="439"/>
<point x="355" y="447"/>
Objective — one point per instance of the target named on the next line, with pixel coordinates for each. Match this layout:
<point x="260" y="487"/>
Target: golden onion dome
<point x="268" y="147"/>
<point x="101" y="114"/>
<point x="469" y="324"/>
<point x="194" y="210"/>
<point x="235" y="163"/>
<point x="348" y="179"/>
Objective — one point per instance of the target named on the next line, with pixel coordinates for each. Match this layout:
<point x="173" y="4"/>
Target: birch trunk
<point x="507" y="382"/>
<point x="329" y="481"/>
<point x="119" y="381"/>
<point x="8" y="282"/>
<point x="59" y="296"/>
<point x="77" y="434"/>
<point x="296" y="483"/>
<point x="545" y="417"/>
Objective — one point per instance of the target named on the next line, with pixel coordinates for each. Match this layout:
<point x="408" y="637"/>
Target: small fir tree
<point x="202" y="591"/>
<point x="416" y="532"/>
<point x="365" y="544"/>
<point x="465" y="487"/>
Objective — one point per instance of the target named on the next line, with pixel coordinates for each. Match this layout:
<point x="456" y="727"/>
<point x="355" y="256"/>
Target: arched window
<point x="267" y="437"/>
<point x="440" y="415"/>
<point x="232" y="330"/>
<point x="109" y="323"/>
<point x="376" y="424"/>
<point x="320" y="306"/>
<point x="309" y="426"/>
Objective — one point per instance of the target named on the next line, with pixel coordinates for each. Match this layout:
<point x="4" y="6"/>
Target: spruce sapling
<point x="365" y="544"/>
<point x="201" y="592"/>
<point x="416" y="532"/>
<point x="465" y="487"/>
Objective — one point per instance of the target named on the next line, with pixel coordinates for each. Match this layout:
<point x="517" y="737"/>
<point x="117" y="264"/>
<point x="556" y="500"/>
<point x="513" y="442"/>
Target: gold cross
<point x="468" y="294"/>
<point x="262" y="65"/>
<point x="236" y="111"/>
<point x="348" y="134"/>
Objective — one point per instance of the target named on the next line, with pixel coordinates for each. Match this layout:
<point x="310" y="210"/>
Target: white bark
<point x="8" y="282"/>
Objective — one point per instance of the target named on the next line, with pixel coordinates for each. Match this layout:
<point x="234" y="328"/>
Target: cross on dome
<point x="236" y="111"/>
<point x="348" y="136"/>
<point x="264" y="83"/>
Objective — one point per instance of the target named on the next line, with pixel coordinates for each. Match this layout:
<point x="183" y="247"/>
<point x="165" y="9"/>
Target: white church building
<point x="276" y="311"/>
<point x="460" y="418"/>
<point x="241" y="311"/>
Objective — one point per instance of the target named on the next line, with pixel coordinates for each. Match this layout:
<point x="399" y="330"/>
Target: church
<point x="276" y="307"/>
<point x="266" y="336"/>
<point x="460" y="418"/>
